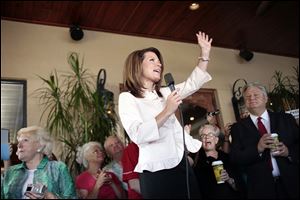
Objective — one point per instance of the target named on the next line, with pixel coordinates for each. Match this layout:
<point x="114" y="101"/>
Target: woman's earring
<point x="40" y="149"/>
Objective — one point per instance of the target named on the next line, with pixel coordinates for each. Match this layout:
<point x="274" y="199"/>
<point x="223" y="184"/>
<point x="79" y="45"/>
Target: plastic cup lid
<point x="218" y="162"/>
<point x="274" y="135"/>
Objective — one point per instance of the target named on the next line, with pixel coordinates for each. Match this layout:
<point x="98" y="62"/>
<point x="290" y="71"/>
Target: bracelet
<point x="203" y="59"/>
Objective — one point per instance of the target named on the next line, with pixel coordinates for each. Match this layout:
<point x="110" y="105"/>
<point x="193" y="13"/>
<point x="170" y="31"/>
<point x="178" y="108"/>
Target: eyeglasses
<point x="209" y="135"/>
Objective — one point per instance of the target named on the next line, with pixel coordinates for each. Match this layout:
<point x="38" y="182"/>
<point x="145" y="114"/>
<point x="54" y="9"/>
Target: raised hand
<point x="211" y="119"/>
<point x="205" y="43"/>
<point x="227" y="130"/>
<point x="188" y="128"/>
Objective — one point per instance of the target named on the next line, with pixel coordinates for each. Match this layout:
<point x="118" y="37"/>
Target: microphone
<point x="169" y="81"/>
<point x="214" y="113"/>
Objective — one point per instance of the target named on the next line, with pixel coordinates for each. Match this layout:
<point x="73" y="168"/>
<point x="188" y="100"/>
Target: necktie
<point x="262" y="130"/>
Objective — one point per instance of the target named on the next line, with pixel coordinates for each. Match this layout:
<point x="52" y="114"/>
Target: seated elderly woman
<point x="36" y="176"/>
<point x="94" y="182"/>
<point x="231" y="188"/>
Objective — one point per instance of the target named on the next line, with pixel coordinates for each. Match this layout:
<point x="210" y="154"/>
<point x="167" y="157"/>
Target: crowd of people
<point x="162" y="159"/>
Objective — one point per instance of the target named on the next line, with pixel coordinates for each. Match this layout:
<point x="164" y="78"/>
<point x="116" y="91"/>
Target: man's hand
<point x="280" y="150"/>
<point x="266" y="141"/>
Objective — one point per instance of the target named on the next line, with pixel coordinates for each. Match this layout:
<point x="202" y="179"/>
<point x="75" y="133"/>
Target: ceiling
<point x="270" y="27"/>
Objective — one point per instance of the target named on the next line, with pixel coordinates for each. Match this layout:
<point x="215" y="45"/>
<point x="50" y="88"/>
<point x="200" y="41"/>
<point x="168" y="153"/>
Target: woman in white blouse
<point x="147" y="113"/>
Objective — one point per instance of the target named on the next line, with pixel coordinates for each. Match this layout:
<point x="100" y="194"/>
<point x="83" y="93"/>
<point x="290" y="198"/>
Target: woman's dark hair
<point x="133" y="72"/>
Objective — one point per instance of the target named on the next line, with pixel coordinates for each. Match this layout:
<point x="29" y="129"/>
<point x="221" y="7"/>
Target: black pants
<point x="280" y="189"/>
<point x="169" y="183"/>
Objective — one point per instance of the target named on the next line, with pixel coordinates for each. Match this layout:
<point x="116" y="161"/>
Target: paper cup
<point x="274" y="145"/>
<point x="218" y="167"/>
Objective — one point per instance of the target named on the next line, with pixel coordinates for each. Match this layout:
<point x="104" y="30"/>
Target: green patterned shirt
<point x="53" y="174"/>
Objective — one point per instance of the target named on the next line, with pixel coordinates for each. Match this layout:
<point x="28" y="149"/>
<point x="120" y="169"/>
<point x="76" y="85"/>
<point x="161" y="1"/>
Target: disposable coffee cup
<point x="218" y="167"/>
<point x="274" y="145"/>
<point x="275" y="136"/>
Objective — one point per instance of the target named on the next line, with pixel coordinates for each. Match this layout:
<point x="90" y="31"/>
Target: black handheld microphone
<point x="214" y="113"/>
<point x="169" y="81"/>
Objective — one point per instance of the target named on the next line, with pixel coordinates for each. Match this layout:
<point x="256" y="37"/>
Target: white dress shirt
<point x="266" y="121"/>
<point x="159" y="148"/>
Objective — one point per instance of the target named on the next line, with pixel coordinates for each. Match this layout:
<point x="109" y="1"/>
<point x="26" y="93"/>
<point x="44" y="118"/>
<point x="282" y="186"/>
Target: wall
<point x="28" y="50"/>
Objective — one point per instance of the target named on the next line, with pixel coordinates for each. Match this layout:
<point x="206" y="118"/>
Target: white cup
<point x="274" y="145"/>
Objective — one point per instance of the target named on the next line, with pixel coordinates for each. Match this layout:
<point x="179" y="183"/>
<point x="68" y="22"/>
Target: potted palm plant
<point x="75" y="112"/>
<point x="285" y="93"/>
<point x="293" y="85"/>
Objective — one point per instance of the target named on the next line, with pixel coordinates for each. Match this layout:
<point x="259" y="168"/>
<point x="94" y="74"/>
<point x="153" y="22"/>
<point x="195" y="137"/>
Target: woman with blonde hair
<point x="36" y="176"/>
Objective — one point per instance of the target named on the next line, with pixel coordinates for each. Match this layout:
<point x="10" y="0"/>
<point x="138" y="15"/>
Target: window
<point x="13" y="106"/>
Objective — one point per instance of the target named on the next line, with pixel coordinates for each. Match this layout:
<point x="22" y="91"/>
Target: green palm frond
<point x="74" y="112"/>
<point x="285" y="93"/>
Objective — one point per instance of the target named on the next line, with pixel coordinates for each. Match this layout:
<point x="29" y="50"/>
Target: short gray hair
<point x="41" y="135"/>
<point x="215" y="130"/>
<point x="110" y="138"/>
<point x="81" y="152"/>
<point x="257" y="85"/>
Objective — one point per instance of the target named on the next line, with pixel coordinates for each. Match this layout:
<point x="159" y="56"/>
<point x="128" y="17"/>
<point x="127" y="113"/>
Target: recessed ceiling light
<point x="194" y="6"/>
<point x="192" y="118"/>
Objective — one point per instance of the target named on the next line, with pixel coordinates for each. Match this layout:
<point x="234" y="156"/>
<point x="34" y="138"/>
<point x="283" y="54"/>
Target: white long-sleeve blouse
<point x="159" y="148"/>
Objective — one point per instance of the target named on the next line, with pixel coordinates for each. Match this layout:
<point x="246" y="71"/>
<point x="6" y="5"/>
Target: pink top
<point x="87" y="182"/>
